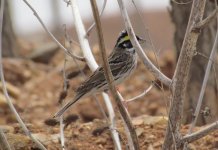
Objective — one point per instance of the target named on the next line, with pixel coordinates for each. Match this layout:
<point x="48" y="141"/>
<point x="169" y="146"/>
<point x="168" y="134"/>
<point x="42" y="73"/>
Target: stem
<point x="109" y="77"/>
<point x="141" y="95"/>
<point x="101" y="13"/>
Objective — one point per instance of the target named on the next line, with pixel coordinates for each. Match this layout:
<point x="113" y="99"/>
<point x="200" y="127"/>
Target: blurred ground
<point x="35" y="89"/>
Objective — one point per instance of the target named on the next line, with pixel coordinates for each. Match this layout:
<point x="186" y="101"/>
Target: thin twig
<point x="62" y="116"/>
<point x="207" y="57"/>
<point x="93" y="24"/>
<point x="199" y="134"/>
<point x="149" y="65"/>
<point x="93" y="66"/>
<point x="26" y="131"/>
<point x="140" y="95"/>
<point x="52" y="36"/>
<point x="129" y="138"/>
<point x="109" y="77"/>
<point x="4" y="144"/>
<point x="204" y="84"/>
<point x="206" y="21"/>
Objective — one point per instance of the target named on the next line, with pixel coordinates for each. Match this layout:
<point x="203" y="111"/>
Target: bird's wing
<point x="116" y="62"/>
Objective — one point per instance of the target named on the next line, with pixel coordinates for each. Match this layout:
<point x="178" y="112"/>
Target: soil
<point x="35" y="89"/>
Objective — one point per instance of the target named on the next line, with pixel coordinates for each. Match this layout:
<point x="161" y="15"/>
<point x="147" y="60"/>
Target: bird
<point x="122" y="62"/>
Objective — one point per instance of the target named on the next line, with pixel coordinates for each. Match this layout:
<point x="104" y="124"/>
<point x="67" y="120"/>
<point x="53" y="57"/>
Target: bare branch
<point x="140" y="95"/>
<point x="93" y="66"/>
<point x="52" y="36"/>
<point x="199" y="134"/>
<point x="206" y="21"/>
<point x="180" y="78"/>
<point x="101" y="13"/>
<point x="206" y="57"/>
<point x="129" y="138"/>
<point x="26" y="131"/>
<point x="109" y="77"/>
<point x="151" y="67"/>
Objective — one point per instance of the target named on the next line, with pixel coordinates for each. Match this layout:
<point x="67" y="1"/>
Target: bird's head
<point x="123" y="40"/>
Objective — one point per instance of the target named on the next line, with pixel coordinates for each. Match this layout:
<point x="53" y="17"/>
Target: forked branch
<point x="199" y="134"/>
<point x="149" y="65"/>
<point x="202" y="24"/>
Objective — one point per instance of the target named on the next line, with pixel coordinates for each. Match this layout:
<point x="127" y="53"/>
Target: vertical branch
<point x="109" y="77"/>
<point x="112" y="118"/>
<point x="180" y="78"/>
<point x="26" y="131"/>
<point x="81" y="36"/>
<point x="93" y="65"/>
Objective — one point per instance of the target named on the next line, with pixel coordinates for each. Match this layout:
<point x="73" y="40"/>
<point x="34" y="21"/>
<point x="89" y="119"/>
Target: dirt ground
<point x="35" y="89"/>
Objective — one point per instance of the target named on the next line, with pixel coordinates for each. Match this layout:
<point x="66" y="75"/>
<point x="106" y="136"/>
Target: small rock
<point x="150" y="147"/>
<point x="18" y="141"/>
<point x="150" y="120"/>
<point x="45" y="138"/>
<point x="7" y="129"/>
<point x="12" y="90"/>
<point x="101" y="141"/>
<point x="151" y="136"/>
<point x="139" y="131"/>
<point x="3" y="101"/>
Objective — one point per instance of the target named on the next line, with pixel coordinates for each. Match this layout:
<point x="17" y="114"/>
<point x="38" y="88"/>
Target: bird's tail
<point x="66" y="107"/>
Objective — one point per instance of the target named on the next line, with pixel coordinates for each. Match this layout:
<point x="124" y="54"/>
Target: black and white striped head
<point x="124" y="42"/>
